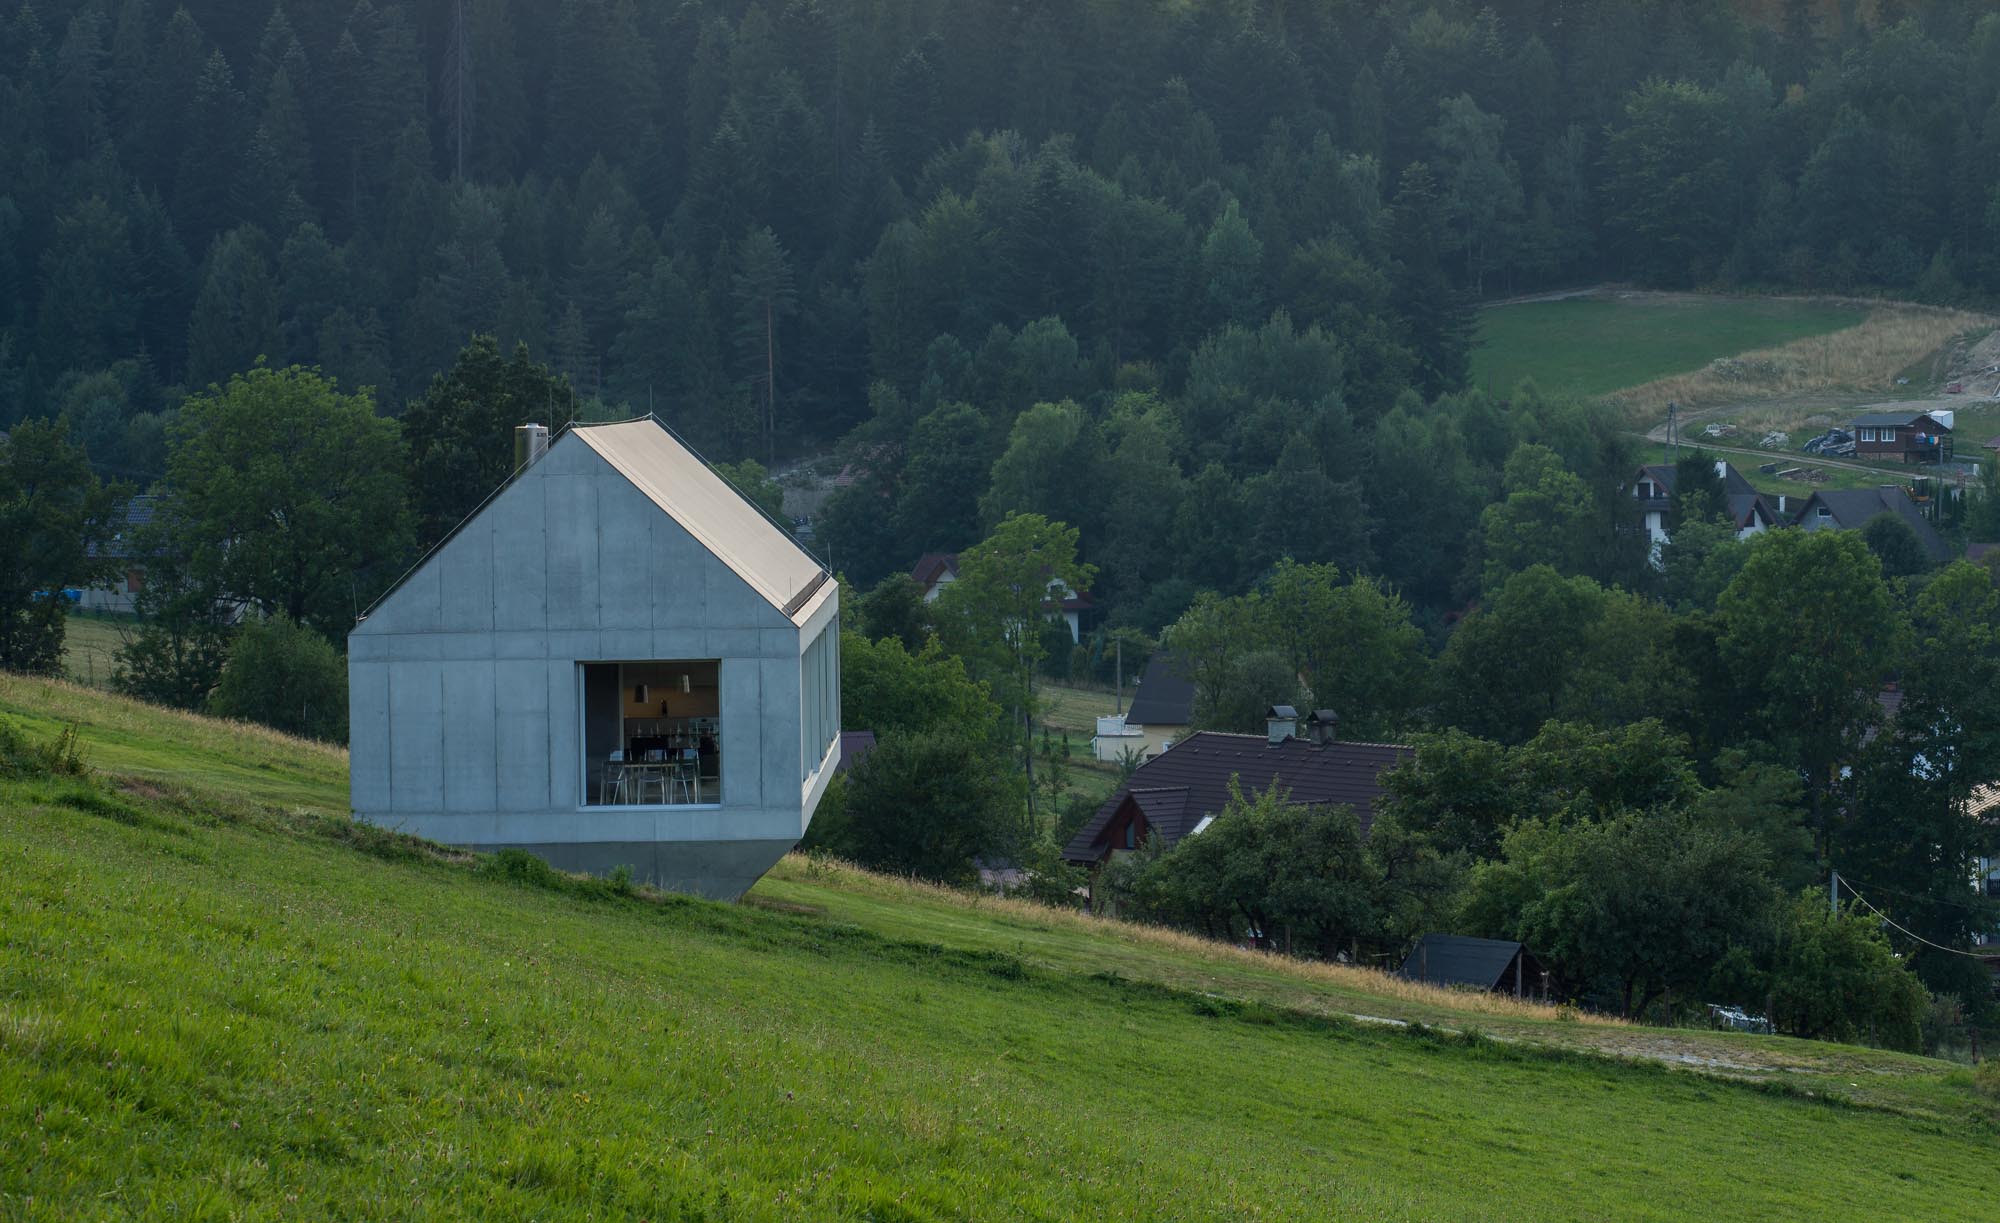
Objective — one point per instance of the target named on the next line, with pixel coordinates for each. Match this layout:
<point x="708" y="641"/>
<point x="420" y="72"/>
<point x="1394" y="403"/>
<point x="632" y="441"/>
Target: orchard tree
<point x="285" y="495"/>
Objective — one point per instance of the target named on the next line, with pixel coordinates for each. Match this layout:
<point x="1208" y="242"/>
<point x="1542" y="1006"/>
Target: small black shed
<point x="1481" y="963"/>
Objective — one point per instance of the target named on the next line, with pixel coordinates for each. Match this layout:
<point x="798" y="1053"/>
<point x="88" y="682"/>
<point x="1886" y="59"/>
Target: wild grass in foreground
<point x="218" y="1006"/>
<point x="208" y="1019"/>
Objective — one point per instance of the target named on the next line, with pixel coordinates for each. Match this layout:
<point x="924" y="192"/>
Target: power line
<point x="1895" y="925"/>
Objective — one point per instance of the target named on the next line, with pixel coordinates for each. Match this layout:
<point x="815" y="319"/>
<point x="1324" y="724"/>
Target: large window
<point x="819" y="698"/>
<point x="652" y="733"/>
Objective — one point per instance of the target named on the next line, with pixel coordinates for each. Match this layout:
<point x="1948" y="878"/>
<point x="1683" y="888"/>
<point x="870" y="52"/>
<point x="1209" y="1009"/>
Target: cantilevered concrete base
<point x="719" y="870"/>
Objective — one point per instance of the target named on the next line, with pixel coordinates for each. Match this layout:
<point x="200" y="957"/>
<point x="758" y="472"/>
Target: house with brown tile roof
<point x="1179" y="792"/>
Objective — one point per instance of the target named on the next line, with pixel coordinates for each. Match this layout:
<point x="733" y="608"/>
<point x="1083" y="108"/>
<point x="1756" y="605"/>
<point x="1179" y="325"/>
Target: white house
<point x="1653" y="488"/>
<point x="617" y="660"/>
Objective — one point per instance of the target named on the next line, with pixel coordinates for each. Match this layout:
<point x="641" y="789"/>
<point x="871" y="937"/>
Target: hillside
<point x="219" y="1001"/>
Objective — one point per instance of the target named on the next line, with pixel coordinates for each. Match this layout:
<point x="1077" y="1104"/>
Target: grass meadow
<point x="1598" y="344"/>
<point x="227" y="1002"/>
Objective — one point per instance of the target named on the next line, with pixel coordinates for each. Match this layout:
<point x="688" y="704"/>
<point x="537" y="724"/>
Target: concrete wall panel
<point x="465" y="581"/>
<point x="565" y="735"/>
<point x="368" y="735"/>
<point x="520" y="552"/>
<point x="471" y="768"/>
<point x="521" y="735"/>
<point x="571" y="506"/>
<point x="742" y="733"/>
<point x="625" y="519"/>
<point x="779" y="716"/>
<point x="416" y="747"/>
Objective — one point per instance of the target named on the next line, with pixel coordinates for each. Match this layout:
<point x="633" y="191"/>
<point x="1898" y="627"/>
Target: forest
<point x="1211" y="261"/>
<point x="1174" y="300"/>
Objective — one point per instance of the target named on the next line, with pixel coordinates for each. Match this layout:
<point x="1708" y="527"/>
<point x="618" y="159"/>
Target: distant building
<point x="1162" y="709"/>
<point x="1752" y="512"/>
<point x="120" y="592"/>
<point x="1904" y="437"/>
<point x="1850" y="509"/>
<point x="1487" y="964"/>
<point x="936" y="570"/>
<point x="933" y="572"/>
<point x="1180" y="792"/>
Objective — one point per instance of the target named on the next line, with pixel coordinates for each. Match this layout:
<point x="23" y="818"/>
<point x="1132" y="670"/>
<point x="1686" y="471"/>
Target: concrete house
<point x="617" y="660"/>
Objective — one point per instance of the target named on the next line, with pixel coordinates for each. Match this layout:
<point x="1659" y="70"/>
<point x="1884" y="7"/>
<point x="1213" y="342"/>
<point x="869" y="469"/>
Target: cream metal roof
<point x="712" y="511"/>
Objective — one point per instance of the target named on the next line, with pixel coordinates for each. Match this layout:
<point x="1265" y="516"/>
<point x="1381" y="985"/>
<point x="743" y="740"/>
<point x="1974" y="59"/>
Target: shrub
<point x="286" y="676"/>
<point x="61" y="756"/>
<point x="1836" y="978"/>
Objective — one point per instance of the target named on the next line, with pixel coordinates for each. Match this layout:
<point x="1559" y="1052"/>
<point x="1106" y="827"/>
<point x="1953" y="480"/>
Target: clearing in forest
<point x="1600" y="342"/>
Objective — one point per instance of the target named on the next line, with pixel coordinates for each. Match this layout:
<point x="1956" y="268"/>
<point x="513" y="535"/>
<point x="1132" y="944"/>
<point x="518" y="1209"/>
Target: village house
<point x="1850" y="509"/>
<point x="1161" y="710"/>
<point x="120" y="591"/>
<point x="1904" y="437"/>
<point x="1180" y="792"/>
<point x="936" y="570"/>
<point x="617" y="661"/>
<point x="1653" y="488"/>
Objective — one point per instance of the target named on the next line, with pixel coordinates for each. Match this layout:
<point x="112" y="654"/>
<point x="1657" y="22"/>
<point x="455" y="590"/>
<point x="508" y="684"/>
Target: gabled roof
<point x="123" y="544"/>
<point x="1745" y="502"/>
<point x="1175" y="789"/>
<point x="709" y="508"/>
<point x="1164" y="698"/>
<point x="1851" y="508"/>
<point x="854" y="748"/>
<point x="1898" y="420"/>
<point x="1454" y="959"/>
<point x="932" y="565"/>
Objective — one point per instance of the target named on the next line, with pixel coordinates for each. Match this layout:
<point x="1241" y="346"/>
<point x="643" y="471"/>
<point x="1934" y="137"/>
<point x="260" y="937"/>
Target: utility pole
<point x="1118" y="695"/>
<point x="1833" y="890"/>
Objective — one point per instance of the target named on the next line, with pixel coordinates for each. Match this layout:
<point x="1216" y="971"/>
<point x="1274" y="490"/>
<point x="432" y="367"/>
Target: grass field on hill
<point x="1602" y="343"/>
<point x="225" y="1002"/>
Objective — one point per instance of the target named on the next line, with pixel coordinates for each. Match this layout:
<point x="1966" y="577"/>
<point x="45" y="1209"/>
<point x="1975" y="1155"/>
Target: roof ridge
<point x="1237" y="734"/>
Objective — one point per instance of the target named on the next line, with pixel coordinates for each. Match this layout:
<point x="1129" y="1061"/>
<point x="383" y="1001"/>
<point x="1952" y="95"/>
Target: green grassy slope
<point x="217" y="1007"/>
<point x="1596" y="345"/>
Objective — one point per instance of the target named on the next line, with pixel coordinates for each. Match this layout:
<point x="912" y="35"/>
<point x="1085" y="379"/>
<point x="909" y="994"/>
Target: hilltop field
<point x="220" y="999"/>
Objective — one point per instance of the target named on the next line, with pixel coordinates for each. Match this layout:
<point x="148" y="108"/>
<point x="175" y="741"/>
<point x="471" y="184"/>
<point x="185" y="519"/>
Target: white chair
<point x="611" y="782"/>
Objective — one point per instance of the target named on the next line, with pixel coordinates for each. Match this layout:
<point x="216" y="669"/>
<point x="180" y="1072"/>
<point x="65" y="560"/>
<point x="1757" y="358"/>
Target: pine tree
<point x="88" y="317"/>
<point x="571" y="355"/>
<point x="171" y="81"/>
<point x="78" y="111"/>
<point x="212" y="162"/>
<point x="235" y="320"/>
<point x="1231" y="271"/>
<point x="312" y="284"/>
<point x="596" y="279"/>
<point x="765" y="297"/>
